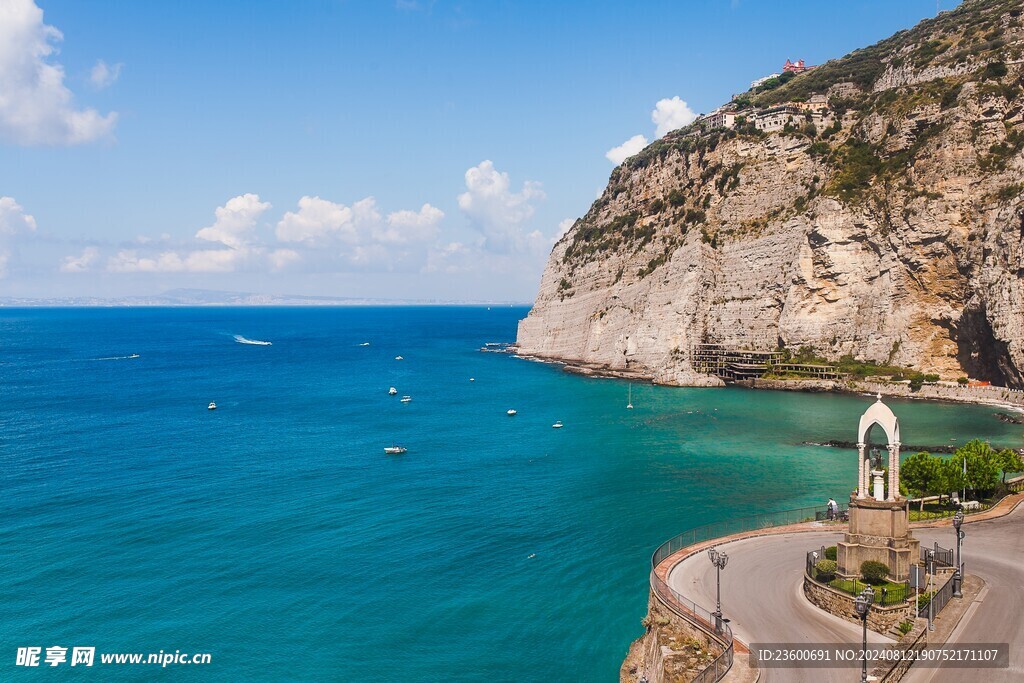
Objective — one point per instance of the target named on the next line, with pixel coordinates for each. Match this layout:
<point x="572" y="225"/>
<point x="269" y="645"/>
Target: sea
<point x="275" y="535"/>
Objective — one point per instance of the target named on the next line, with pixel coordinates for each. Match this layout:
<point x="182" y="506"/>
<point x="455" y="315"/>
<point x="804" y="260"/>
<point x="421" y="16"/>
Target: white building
<point x="759" y="81"/>
<point x="719" y="118"/>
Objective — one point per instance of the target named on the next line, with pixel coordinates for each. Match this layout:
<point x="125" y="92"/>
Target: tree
<point x="951" y="475"/>
<point x="922" y="475"/>
<point x="982" y="475"/>
<point x="1010" y="462"/>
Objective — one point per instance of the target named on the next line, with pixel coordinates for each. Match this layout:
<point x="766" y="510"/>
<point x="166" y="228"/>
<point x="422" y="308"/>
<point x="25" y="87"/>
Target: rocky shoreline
<point x="1007" y="399"/>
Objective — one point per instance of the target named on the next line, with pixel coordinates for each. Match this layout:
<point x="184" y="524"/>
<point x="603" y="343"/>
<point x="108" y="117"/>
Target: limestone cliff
<point x="888" y="227"/>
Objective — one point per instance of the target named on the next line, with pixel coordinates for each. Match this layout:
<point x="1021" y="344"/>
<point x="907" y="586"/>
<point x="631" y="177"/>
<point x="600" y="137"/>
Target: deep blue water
<point x="274" y="533"/>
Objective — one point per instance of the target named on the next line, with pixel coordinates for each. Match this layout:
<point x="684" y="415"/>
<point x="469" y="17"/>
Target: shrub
<point x="819" y="149"/>
<point x="906" y="626"/>
<point x="830" y="553"/>
<point x="826" y="568"/>
<point x="873" y="572"/>
<point x="962" y="381"/>
<point x="916" y="381"/>
<point x="994" y="70"/>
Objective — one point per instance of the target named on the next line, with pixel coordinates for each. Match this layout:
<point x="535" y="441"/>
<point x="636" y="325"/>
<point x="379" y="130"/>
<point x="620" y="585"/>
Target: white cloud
<point x="280" y="259"/>
<point x="199" y="261"/>
<point x="36" y="108"/>
<point x="234" y="227"/>
<point x="495" y="209"/>
<point x="13" y="219"/>
<point x="315" y="221"/>
<point x="235" y="221"/>
<point x="13" y="222"/>
<point x="80" y="263"/>
<point x="670" y="114"/>
<point x="617" y="155"/>
<point x="411" y="226"/>
<point x="104" y="75"/>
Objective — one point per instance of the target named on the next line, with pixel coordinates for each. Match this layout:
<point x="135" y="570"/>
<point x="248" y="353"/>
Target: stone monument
<point x="879" y="516"/>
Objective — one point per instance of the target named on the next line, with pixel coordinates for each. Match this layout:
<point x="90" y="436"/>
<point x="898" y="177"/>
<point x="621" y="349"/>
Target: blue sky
<point x="408" y="149"/>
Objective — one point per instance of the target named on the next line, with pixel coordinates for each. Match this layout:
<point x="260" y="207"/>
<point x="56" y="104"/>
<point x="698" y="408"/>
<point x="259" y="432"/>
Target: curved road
<point x="994" y="550"/>
<point x="762" y="593"/>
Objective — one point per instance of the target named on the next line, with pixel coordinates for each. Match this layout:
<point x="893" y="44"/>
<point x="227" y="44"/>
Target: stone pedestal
<point x="879" y="530"/>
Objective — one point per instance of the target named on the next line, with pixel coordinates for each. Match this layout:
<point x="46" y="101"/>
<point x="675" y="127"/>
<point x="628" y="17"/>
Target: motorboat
<point x="405" y="399"/>
<point x="392" y="391"/>
<point x="510" y="412"/>
<point x="394" y="450"/>
<point x="399" y="358"/>
<point x="212" y="406"/>
<point x="557" y="425"/>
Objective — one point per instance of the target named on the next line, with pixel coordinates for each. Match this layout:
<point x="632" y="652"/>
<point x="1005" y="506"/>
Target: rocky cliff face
<point x="891" y="231"/>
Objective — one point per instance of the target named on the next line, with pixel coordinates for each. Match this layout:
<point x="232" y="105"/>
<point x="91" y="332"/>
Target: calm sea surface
<point x="275" y="534"/>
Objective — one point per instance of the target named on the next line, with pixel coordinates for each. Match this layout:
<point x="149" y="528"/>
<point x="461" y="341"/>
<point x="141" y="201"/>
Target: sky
<point x="410" y="149"/>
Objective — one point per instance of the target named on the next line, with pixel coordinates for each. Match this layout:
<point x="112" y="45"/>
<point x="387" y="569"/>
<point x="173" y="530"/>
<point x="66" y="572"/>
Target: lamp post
<point x="930" y="568"/>
<point x="862" y="604"/>
<point x="958" y="577"/>
<point x="719" y="560"/>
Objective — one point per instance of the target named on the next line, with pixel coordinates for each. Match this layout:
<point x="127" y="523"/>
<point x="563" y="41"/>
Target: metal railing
<point x="885" y="596"/>
<point x="939" y="599"/>
<point x="740" y="524"/>
<point x="918" y="515"/>
<point x="694" y="613"/>
<point x="702" y="619"/>
<point x="943" y="556"/>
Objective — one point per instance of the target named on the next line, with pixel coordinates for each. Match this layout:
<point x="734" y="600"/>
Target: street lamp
<point x="862" y="603"/>
<point x="958" y="577"/>
<point x="719" y="560"/>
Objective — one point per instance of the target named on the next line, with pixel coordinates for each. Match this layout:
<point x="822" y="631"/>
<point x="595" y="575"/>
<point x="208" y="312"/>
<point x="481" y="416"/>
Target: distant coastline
<point x="206" y="297"/>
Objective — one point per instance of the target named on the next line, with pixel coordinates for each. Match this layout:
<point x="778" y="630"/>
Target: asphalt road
<point x="762" y="595"/>
<point x="993" y="550"/>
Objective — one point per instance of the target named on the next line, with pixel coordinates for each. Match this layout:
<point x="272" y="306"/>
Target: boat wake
<point x="255" y="342"/>
<point x="134" y="355"/>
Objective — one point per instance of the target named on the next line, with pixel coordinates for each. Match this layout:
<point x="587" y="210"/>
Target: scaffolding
<point x="732" y="364"/>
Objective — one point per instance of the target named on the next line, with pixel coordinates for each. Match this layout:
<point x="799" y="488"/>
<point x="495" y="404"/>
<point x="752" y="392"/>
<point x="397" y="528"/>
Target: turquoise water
<point x="274" y="533"/>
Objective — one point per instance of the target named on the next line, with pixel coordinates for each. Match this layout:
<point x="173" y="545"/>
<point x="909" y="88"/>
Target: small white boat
<point x="405" y="399"/>
<point x="510" y="412"/>
<point x="365" y="344"/>
<point x="394" y="450"/>
<point x="134" y="355"/>
<point x="557" y="425"/>
<point x="212" y="406"/>
<point x="399" y="358"/>
<point x="472" y="379"/>
<point x="392" y="391"/>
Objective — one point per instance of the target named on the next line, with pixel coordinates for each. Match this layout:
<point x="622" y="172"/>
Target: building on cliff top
<point x="797" y="67"/>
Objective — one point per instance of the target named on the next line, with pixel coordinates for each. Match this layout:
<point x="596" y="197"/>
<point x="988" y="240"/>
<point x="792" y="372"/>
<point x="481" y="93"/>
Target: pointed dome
<point x="879" y="414"/>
